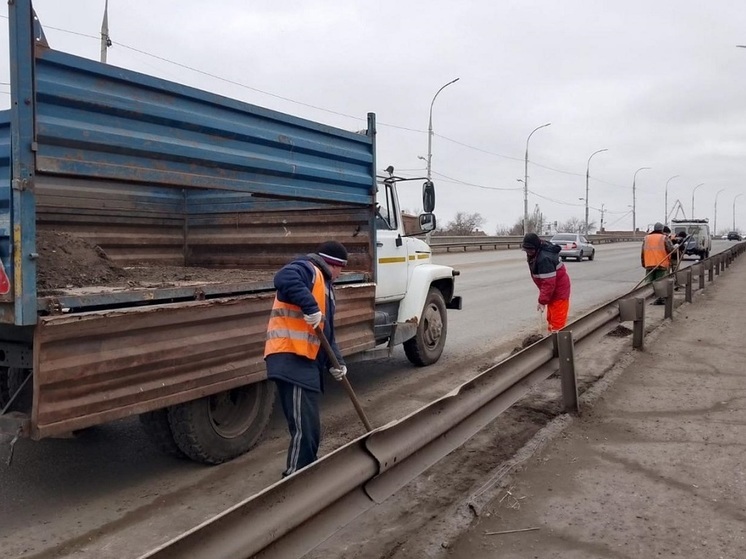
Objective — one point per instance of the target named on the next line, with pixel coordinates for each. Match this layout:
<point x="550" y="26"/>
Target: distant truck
<point x="154" y="176"/>
<point x="699" y="240"/>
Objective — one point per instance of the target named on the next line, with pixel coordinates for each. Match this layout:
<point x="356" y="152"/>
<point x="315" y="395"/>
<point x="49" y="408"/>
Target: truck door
<point x="391" y="251"/>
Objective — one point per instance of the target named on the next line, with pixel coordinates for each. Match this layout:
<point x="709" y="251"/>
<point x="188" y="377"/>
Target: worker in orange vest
<point x="292" y="352"/>
<point x="656" y="255"/>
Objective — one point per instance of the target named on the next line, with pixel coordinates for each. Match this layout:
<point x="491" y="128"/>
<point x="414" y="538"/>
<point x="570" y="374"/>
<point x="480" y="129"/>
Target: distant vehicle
<point x="699" y="241"/>
<point x="734" y="236"/>
<point x="574" y="245"/>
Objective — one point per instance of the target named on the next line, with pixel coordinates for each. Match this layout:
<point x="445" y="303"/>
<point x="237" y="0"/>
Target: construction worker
<point x="550" y="276"/>
<point x="673" y="264"/>
<point x="655" y="255"/>
<point x="292" y="352"/>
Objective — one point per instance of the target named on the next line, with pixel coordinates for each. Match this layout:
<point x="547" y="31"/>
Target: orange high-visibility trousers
<point x="557" y="314"/>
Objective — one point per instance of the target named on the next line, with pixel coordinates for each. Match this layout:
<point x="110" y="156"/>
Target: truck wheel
<point x="156" y="426"/>
<point x="220" y="427"/>
<point x="427" y="345"/>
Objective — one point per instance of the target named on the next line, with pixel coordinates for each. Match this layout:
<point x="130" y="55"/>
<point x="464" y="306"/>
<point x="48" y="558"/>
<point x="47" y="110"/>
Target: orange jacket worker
<point x="292" y="352"/>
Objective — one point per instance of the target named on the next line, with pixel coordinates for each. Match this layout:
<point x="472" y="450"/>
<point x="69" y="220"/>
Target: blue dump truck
<point x="141" y="223"/>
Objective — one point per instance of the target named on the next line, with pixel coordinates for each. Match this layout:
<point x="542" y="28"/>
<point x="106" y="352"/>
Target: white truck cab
<point x="412" y="293"/>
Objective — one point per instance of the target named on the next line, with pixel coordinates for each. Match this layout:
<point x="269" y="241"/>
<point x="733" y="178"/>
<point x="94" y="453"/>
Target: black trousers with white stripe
<point x="301" y="409"/>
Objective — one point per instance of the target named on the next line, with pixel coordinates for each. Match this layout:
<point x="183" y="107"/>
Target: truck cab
<point x="412" y="293"/>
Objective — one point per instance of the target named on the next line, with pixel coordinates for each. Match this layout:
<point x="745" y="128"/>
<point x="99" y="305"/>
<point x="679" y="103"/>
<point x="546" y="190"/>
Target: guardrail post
<point x="701" y="270"/>
<point x="686" y="277"/>
<point x="689" y="281"/>
<point x="565" y="349"/>
<point x="727" y="260"/>
<point x="710" y="275"/>
<point x="717" y="265"/>
<point x="634" y="310"/>
<point x="664" y="290"/>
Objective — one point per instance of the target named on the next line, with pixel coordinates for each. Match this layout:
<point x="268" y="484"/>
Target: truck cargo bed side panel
<point x="95" y="120"/>
<point x="100" y="366"/>
<point x="271" y="238"/>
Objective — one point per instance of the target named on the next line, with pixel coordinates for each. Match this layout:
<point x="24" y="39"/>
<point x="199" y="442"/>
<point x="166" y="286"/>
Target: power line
<point x="330" y="111"/>
<point x="465" y="183"/>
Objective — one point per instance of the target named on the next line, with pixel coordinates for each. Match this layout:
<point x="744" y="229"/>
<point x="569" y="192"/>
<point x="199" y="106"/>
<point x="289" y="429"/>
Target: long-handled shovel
<point x="344" y="381"/>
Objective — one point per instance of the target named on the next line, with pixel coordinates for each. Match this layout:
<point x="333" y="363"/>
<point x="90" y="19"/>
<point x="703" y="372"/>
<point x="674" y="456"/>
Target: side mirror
<point x="428" y="196"/>
<point x="427" y="222"/>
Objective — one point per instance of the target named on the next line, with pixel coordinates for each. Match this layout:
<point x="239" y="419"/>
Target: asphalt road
<point x="108" y="494"/>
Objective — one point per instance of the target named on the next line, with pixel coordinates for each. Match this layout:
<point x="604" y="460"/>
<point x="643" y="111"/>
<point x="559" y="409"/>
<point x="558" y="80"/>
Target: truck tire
<point x="427" y="345"/>
<point x="220" y="427"/>
<point x="158" y="429"/>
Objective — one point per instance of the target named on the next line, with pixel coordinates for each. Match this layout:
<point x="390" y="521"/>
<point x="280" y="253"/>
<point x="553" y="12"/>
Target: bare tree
<point x="576" y="225"/>
<point x="463" y="224"/>
<point x="535" y="223"/>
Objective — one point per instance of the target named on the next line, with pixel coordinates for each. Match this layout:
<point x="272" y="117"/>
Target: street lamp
<point x="634" y="201"/>
<point x="693" y="191"/>
<point x="587" y="176"/>
<point x="715" y="221"/>
<point x="665" y="215"/>
<point x="430" y="130"/>
<point x="525" y="180"/>
<point x="734" y="210"/>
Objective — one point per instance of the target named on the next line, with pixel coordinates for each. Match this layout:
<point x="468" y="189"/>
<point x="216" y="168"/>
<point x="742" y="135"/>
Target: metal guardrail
<point x="295" y="515"/>
<point x="448" y="243"/>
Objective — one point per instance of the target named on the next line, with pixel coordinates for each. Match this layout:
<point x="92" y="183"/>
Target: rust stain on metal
<point x="101" y="366"/>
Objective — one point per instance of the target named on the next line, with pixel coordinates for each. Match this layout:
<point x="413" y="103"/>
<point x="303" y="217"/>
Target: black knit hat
<point x="531" y="240"/>
<point x="334" y="253"/>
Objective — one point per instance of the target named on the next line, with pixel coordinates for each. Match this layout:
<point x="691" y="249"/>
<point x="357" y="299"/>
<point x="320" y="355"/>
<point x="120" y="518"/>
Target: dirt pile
<point x="67" y="261"/>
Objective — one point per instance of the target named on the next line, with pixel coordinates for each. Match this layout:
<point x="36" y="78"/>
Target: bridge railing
<point x="444" y="243"/>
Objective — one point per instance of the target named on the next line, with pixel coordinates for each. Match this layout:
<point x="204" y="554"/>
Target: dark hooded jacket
<point x="294" y="283"/>
<point x="549" y="273"/>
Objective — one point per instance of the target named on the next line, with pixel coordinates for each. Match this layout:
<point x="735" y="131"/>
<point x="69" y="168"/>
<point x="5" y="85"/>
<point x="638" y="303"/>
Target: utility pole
<point x="587" y="177"/>
<point x="525" y="180"/>
<point x="634" y="202"/>
<point x="105" y="39"/>
<point x="734" y="210"/>
<point x="430" y="131"/>
<point x="715" y="223"/>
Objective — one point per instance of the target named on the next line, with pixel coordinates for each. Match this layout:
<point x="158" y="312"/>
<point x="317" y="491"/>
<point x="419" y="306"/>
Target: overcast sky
<point x="659" y="83"/>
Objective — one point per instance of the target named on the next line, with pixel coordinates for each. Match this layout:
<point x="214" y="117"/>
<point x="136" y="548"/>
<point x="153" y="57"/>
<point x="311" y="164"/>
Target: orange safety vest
<point x="654" y="251"/>
<point x="288" y="332"/>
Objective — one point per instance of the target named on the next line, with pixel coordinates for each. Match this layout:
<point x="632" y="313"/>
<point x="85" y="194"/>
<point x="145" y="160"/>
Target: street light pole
<point x="634" y="201"/>
<point x="693" y="191"/>
<point x="602" y="218"/>
<point x="715" y="221"/>
<point x="665" y="215"/>
<point x="734" y="210"/>
<point x="587" y="176"/>
<point x="525" y="180"/>
<point x="430" y="130"/>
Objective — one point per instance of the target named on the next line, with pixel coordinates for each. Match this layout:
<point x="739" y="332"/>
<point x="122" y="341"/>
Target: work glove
<point x="338" y="373"/>
<point x="313" y="320"/>
<point x="540" y="307"/>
